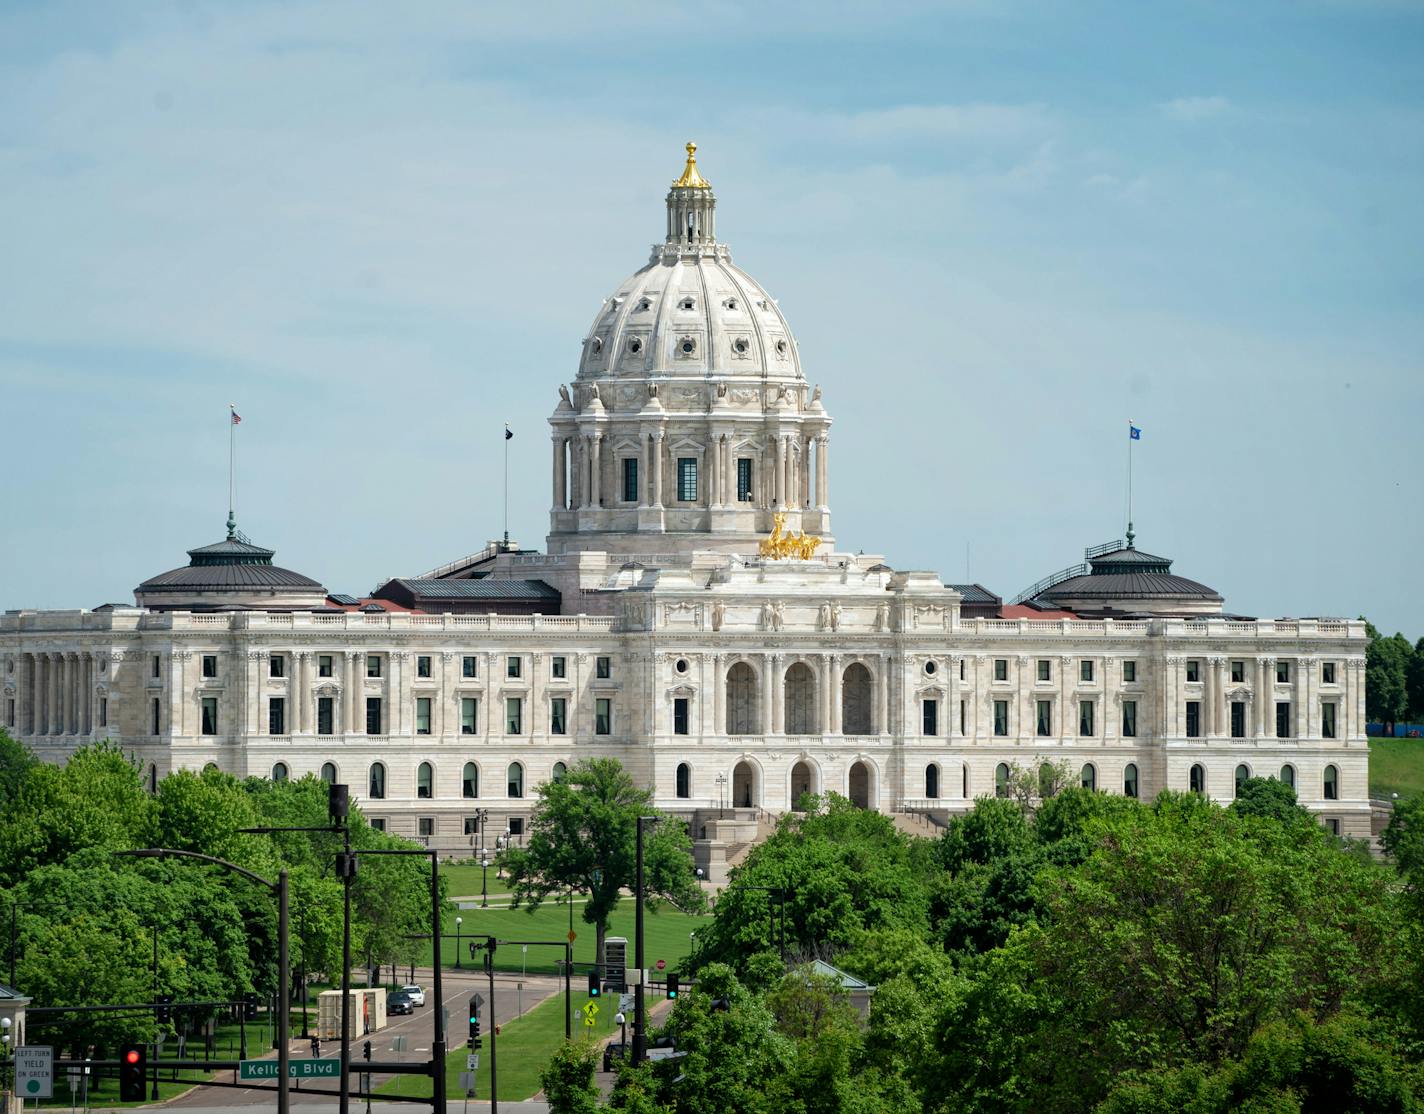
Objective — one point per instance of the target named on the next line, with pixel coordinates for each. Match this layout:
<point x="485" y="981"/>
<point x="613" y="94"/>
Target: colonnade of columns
<point x="57" y="693"/>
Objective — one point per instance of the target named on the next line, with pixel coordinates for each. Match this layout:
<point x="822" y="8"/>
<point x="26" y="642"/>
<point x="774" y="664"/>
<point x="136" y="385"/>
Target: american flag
<point x="236" y="417"/>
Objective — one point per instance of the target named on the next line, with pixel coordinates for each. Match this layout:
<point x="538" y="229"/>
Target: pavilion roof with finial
<point x="691" y="179"/>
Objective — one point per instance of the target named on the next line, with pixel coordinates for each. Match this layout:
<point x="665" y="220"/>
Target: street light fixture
<point x="484" y="880"/>
<point x="458" y="922"/>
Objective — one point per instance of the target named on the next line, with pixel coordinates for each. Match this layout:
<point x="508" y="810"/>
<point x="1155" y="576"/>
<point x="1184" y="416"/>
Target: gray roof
<point x="484" y="589"/>
<point x="227" y="577"/>
<point x="231" y="551"/>
<point x="1127" y="573"/>
<point x="975" y="593"/>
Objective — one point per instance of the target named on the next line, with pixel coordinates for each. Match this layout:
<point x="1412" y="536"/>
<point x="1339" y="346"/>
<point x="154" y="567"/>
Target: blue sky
<point x="999" y="230"/>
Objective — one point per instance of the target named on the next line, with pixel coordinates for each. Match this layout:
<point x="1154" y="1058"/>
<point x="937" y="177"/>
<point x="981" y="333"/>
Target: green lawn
<point x="665" y="935"/>
<point x="523" y="1048"/>
<point x="466" y="877"/>
<point x="1396" y="766"/>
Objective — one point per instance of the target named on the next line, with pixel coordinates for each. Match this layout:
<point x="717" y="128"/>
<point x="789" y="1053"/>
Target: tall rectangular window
<point x="558" y="716"/>
<point x="373" y="665"/>
<point x="687" y="479"/>
<point x="422" y="665"/>
<point x="467" y="666"/>
<point x="679" y="715"/>
<point x="1193" y="670"/>
<point x="1238" y="672"/>
<point x="630" y="479"/>
<point x="210" y="716"/>
<point x="324" y="665"/>
<point x="603" y="716"/>
<point x="373" y="715"/>
<point x="469" y="715"/>
<point x="1129" y="671"/>
<point x="559" y="667"/>
<point x="1045" y="669"/>
<point x="158" y="667"/>
<point x="513" y="715"/>
<point x="1238" y="720"/>
<point x="512" y="667"/>
<point x="1044" y="717"/>
<point x="1085" y="717"/>
<point x="1001" y="669"/>
<point x="325" y="715"/>
<point x="277" y="716"/>
<point x="1282" y="672"/>
<point x="103" y="711"/>
<point x="603" y="668"/>
<point x="1283" y="718"/>
<point x="10" y="712"/>
<point x="1129" y="719"/>
<point x="277" y="667"/>
<point x="1001" y="717"/>
<point x="1327" y="720"/>
<point x="1327" y="673"/>
<point x="157" y="714"/>
<point x="963" y="713"/>
<point x="1193" y="719"/>
<point x="210" y="665"/>
<point x="744" y="480"/>
<point x="422" y="715"/>
<point x="1085" y="670"/>
<point x="929" y="717"/>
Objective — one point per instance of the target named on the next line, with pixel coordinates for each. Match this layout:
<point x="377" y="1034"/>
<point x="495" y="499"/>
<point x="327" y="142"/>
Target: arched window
<point x="1089" y="777"/>
<point x="1332" y="783"/>
<point x="1001" y="780"/>
<point x="328" y="773"/>
<point x="800" y="700"/>
<point x="561" y="771"/>
<point x="424" y="781"/>
<point x="1243" y="772"/>
<point x="470" y="779"/>
<point x="745" y="791"/>
<point x="153" y="776"/>
<point x="280" y="772"/>
<point x="1129" y="780"/>
<point x="857" y="701"/>
<point x="378" y="782"/>
<point x="684" y="780"/>
<point x="802" y="783"/>
<point x="742" y="716"/>
<point x="515" y="780"/>
<point x="1196" y="780"/>
<point x="932" y="781"/>
<point x="210" y="766"/>
<point x="1047" y="781"/>
<point x="1288" y="776"/>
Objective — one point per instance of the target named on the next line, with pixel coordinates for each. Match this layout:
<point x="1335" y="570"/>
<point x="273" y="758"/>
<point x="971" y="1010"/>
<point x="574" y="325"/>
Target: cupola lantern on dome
<point x="691" y="206"/>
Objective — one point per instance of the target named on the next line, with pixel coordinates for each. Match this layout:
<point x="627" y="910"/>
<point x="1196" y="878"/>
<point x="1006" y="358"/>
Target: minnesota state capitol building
<point x="693" y="616"/>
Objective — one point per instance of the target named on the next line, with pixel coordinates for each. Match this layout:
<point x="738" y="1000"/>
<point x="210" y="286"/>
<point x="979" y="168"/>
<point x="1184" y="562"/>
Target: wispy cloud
<point x="1190" y="110"/>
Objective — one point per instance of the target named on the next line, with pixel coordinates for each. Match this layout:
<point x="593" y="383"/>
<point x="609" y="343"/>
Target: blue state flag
<point x="1133" y="432"/>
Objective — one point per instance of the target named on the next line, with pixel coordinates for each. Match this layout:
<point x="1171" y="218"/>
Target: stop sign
<point x="661" y="964"/>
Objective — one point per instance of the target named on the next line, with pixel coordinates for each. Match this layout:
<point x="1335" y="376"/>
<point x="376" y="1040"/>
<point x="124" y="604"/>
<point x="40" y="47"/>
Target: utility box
<point x="615" y="958"/>
<point x="368" y="1013"/>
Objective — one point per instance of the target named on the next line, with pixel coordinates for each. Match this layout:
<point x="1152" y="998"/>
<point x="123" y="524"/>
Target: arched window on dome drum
<point x="1332" y="783"/>
<point x="424" y="781"/>
<point x="1196" y="780"/>
<point x="1243" y="772"/>
<point x="1089" y="777"/>
<point x="800" y="700"/>
<point x="684" y="781"/>
<point x="328" y="773"/>
<point x="1288" y="776"/>
<point x="280" y="772"/>
<point x="1001" y="780"/>
<point x="857" y="701"/>
<point x="742" y="716"/>
<point x="377" y="782"/>
<point x="1129" y="780"/>
<point x="470" y="781"/>
<point x="932" y="781"/>
<point x="515" y="780"/>
<point x="561" y="771"/>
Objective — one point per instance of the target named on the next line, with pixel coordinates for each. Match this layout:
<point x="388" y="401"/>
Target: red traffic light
<point x="131" y="1056"/>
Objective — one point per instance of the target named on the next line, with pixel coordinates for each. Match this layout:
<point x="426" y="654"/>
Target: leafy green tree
<point x="1414" y="683"/>
<point x="16" y="762"/>
<point x="583" y="836"/>
<point x="202" y="812"/>
<point x="567" y="1079"/>
<point x="1270" y="798"/>
<point x="1386" y="669"/>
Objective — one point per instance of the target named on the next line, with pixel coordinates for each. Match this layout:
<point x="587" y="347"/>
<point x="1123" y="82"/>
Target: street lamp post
<point x="721" y="780"/>
<point x="458" y="922"/>
<point x="484" y="879"/>
<point x="279" y="888"/>
<point x="5" y="1024"/>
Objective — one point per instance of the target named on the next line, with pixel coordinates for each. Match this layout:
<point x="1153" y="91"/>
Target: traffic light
<point x="345" y="864"/>
<point x="672" y="984"/>
<point x="338" y="803"/>
<point x="475" y="1041"/>
<point x="133" y="1065"/>
<point x="165" y="1009"/>
<point x="249" y="1007"/>
<point x="594" y="990"/>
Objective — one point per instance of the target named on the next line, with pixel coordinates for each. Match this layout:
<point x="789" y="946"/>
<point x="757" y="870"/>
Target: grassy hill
<point x="1396" y="766"/>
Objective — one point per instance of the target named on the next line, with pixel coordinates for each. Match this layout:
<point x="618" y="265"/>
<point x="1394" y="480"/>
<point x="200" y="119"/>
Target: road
<point x="418" y="1029"/>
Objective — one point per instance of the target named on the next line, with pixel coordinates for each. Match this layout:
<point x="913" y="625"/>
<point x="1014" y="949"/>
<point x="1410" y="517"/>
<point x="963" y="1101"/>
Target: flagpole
<point x="231" y="443"/>
<point x="506" y="485"/>
<point x="1129" y="483"/>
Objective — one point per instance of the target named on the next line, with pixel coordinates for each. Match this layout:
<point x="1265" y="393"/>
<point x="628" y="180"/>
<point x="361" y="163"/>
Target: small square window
<point x="422" y="665"/>
<point x="210" y="665"/>
<point x="1282" y="672"/>
<point x="516" y="825"/>
<point x="378" y="823"/>
<point x="1327" y="673"/>
<point x="1129" y="671"/>
<point x="560" y="667"/>
<point x="1238" y="672"/>
<point x="1001" y="669"/>
<point x="1193" y="670"/>
<point x="603" y="668"/>
<point x="1085" y="670"/>
<point x="512" y="667"/>
<point x="1045" y="669"/>
<point x="373" y="665"/>
<point x="1332" y="825"/>
<point x="467" y="666"/>
<point x="425" y="825"/>
<point x="277" y="667"/>
<point x="324" y="665"/>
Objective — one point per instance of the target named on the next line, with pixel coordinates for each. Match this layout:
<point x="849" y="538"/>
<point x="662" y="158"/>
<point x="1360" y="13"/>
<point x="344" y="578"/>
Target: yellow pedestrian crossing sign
<point x="590" y="1009"/>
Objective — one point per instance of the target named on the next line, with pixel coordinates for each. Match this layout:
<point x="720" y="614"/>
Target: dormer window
<point x="731" y="304"/>
<point x="645" y="303"/>
<point x="635" y="345"/>
<point x="687" y="303"/>
<point x="595" y="346"/>
<point x="740" y="346"/>
<point x="761" y="304"/>
<point x="781" y="348"/>
<point x="687" y="346"/>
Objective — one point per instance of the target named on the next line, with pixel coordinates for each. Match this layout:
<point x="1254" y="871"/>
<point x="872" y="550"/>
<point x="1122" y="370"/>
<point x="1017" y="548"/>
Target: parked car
<point x="398" y="1001"/>
<point x="615" y="1049"/>
<point x="417" y="995"/>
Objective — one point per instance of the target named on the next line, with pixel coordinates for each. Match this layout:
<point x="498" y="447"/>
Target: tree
<point x="1414" y="683"/>
<point x="567" y="1079"/>
<point x="1271" y="798"/>
<point x="16" y="762"/>
<point x="1386" y="666"/>
<point x="583" y="836"/>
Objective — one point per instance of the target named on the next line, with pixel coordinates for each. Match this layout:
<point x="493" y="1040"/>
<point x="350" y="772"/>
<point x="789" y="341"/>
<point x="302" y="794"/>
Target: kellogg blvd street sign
<point x="296" y="1069"/>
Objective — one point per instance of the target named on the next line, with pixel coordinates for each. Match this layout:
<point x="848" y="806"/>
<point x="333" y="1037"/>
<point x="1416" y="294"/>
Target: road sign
<point x="296" y="1069"/>
<point x="472" y="1061"/>
<point x="589" y="1021"/>
<point x="467" y="1081"/>
<point x="661" y="964"/>
<point x="665" y="1054"/>
<point x="572" y="936"/>
<point x="627" y="1003"/>
<point x="34" y="1071"/>
<point x="590" y="1009"/>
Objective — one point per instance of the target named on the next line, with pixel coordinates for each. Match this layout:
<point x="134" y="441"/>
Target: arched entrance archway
<point x="744" y="787"/>
<point x="802" y="782"/>
<point x="857" y="700"/>
<point x="800" y="700"/>
<point x="742" y="718"/>
<point x="859" y="785"/>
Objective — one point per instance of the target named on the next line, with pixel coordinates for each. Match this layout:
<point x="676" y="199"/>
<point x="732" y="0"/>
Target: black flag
<point x="508" y="433"/>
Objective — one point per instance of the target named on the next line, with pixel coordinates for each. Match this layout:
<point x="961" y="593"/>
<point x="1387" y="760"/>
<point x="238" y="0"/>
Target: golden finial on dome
<point x="690" y="178"/>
